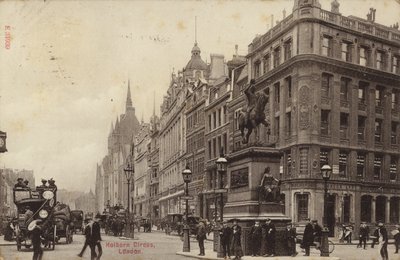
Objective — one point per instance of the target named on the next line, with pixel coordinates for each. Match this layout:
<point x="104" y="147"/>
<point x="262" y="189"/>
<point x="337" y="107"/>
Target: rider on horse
<point x="252" y="97"/>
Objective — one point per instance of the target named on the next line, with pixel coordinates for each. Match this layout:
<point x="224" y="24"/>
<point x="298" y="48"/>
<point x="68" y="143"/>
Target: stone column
<point x="373" y="209"/>
<point x="387" y="215"/>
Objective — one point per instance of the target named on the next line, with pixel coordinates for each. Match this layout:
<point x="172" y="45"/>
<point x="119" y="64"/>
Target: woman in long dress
<point x="236" y="245"/>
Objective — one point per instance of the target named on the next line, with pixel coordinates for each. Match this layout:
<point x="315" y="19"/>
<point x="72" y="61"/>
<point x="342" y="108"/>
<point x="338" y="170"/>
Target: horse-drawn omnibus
<point x="33" y="205"/>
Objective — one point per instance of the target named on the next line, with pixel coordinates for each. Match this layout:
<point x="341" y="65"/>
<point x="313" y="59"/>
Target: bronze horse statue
<point x="255" y="113"/>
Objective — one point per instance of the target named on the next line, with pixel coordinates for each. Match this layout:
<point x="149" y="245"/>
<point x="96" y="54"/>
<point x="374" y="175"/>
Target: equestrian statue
<point x="254" y="114"/>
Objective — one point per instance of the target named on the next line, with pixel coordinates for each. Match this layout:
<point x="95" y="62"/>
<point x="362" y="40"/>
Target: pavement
<point x="209" y="254"/>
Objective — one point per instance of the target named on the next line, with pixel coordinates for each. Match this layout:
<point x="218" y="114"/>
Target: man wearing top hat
<point x="289" y="238"/>
<point x="201" y="236"/>
<point x="255" y="238"/>
<point x="363" y="235"/>
<point x="87" y="231"/>
<point x="226" y="234"/>
<point x="308" y="237"/>
<point x="270" y="237"/>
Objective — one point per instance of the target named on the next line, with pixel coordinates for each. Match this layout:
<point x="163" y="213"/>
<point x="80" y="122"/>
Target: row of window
<point x="364" y="55"/>
<point x="217" y="118"/>
<point x="215" y="145"/>
<point x="272" y="59"/>
<point x="197" y="166"/>
<point x="363" y="87"/>
<point x="195" y="142"/>
<point x="344" y="127"/>
<point x="344" y="163"/>
<point x="195" y="119"/>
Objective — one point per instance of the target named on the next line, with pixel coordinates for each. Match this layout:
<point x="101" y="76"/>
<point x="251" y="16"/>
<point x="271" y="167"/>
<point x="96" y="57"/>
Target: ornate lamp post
<point x="129" y="171"/>
<point x="187" y="177"/>
<point x="326" y="171"/>
<point x="222" y="164"/>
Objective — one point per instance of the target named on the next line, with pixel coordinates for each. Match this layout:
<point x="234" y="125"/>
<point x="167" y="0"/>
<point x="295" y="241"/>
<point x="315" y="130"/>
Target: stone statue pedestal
<point x="245" y="175"/>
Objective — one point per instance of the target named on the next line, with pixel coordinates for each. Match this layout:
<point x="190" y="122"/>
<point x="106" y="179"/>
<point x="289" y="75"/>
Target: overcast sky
<point x="64" y="77"/>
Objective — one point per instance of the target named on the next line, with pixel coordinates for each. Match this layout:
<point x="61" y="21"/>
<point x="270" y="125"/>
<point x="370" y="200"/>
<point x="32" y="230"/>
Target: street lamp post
<point x="326" y="171"/>
<point x="222" y="164"/>
<point x="187" y="177"/>
<point x="129" y="170"/>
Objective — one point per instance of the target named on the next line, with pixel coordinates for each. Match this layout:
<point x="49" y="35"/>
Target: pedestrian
<point x="263" y="250"/>
<point x="363" y="235"/>
<point x="255" y="238"/>
<point x="270" y="237"/>
<point x="96" y="237"/>
<point x="289" y="238"/>
<point x="308" y="238"/>
<point x="201" y="236"/>
<point x="396" y="236"/>
<point x="236" y="246"/>
<point x="317" y="233"/>
<point x="36" y="236"/>
<point x="87" y="230"/>
<point x="375" y="237"/>
<point x="226" y="235"/>
<point x="383" y="241"/>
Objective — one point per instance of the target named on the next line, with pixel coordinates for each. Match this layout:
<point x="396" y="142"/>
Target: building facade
<point x="172" y="146"/>
<point x="141" y="179"/>
<point x="110" y="178"/>
<point x="334" y="99"/>
<point x="153" y="162"/>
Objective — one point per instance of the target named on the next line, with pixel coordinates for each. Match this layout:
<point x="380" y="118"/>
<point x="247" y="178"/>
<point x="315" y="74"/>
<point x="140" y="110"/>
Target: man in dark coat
<point x="289" y="238"/>
<point x="383" y="241"/>
<point x="363" y="235"/>
<point x="87" y="231"/>
<point x="255" y="237"/>
<point x="236" y="244"/>
<point x="270" y="237"/>
<point x="397" y="238"/>
<point x="36" y="234"/>
<point x="201" y="236"/>
<point x="225" y="235"/>
<point x="317" y="233"/>
<point x="308" y="238"/>
<point x="96" y="237"/>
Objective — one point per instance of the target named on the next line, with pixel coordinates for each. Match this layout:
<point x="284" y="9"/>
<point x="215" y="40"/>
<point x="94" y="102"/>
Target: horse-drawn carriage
<point x="62" y="220"/>
<point x="35" y="205"/>
<point x="77" y="220"/>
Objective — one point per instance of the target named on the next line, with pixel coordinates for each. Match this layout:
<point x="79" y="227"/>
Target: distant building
<point x="153" y="163"/>
<point x="141" y="179"/>
<point x="86" y="202"/>
<point x="110" y="177"/>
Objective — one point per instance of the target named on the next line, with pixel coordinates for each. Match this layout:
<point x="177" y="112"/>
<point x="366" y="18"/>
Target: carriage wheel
<point x="54" y="238"/>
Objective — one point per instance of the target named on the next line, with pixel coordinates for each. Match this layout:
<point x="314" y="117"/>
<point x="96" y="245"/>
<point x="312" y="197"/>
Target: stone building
<point x="111" y="175"/>
<point x="153" y="162"/>
<point x="86" y="202"/>
<point x="333" y="84"/>
<point x="141" y="179"/>
<point x="217" y="134"/>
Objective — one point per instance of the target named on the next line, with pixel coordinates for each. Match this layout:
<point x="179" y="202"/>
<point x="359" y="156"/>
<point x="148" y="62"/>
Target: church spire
<point x="128" y="97"/>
